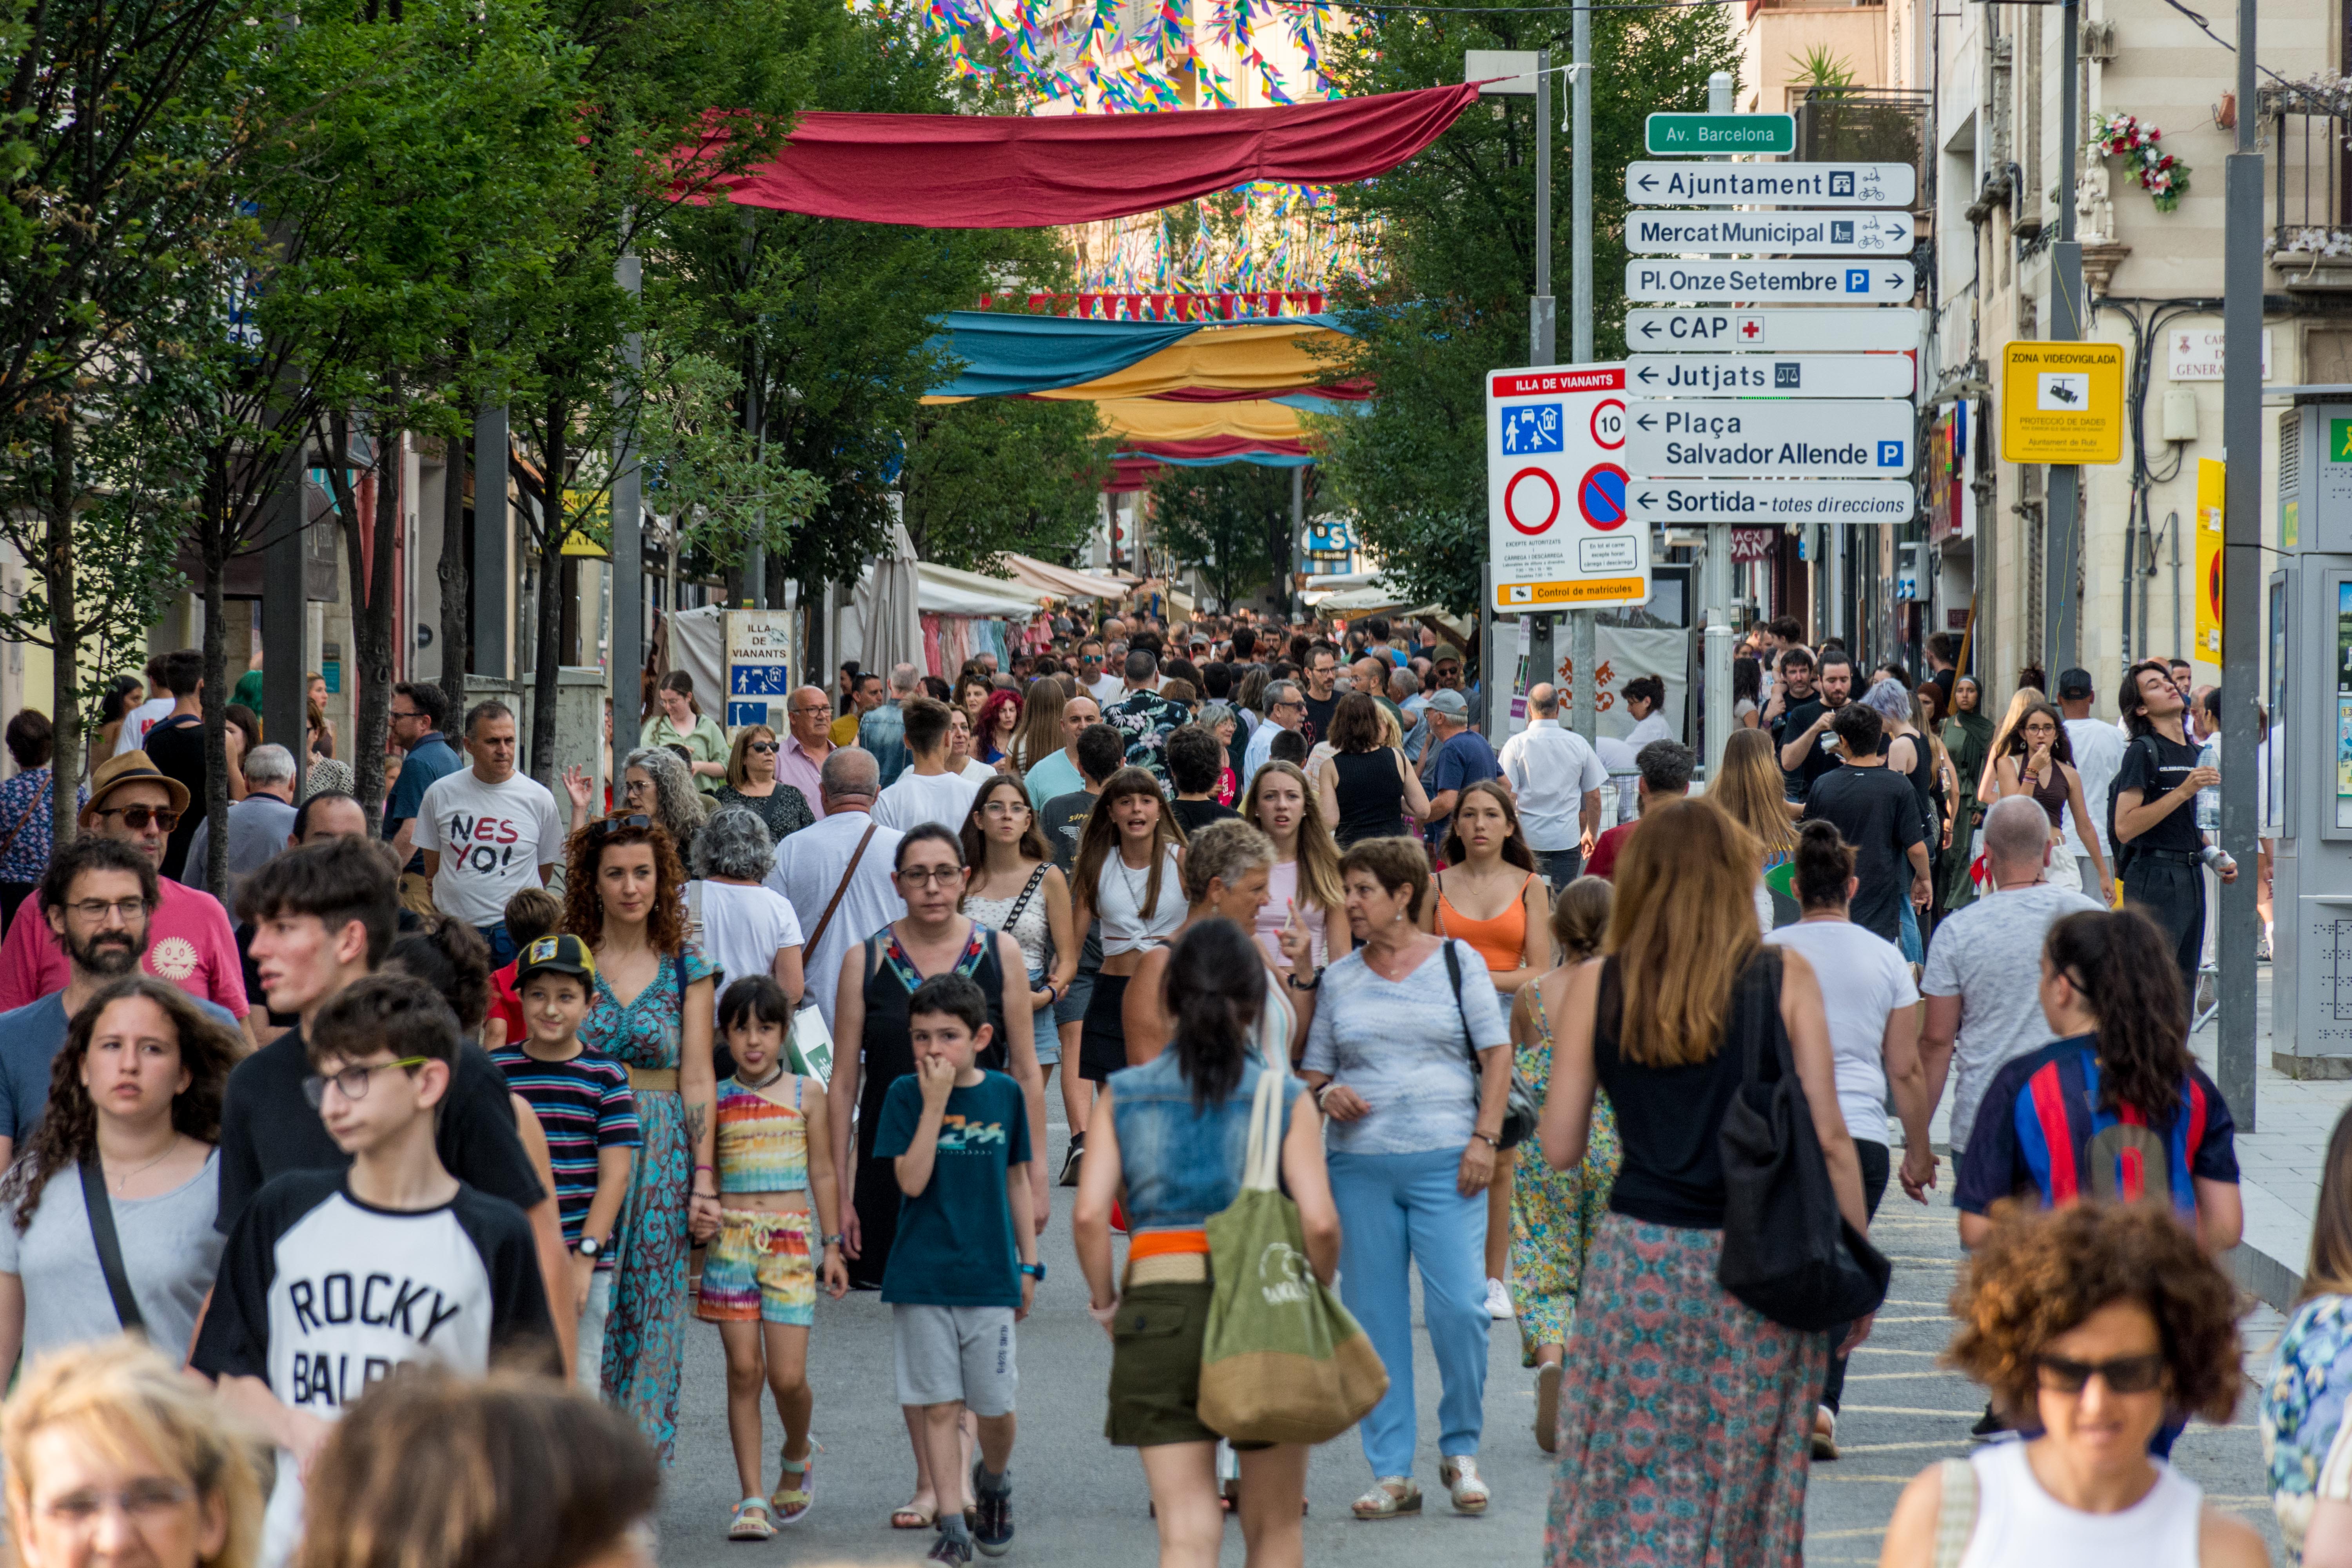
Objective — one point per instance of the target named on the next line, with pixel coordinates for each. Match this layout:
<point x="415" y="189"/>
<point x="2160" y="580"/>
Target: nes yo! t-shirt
<point x="491" y="838"/>
<point x="321" y="1294"/>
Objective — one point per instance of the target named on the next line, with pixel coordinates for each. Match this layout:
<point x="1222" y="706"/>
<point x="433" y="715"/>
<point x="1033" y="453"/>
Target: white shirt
<point x="914" y="799"/>
<point x="976" y="773"/>
<point x="1644" y="731"/>
<point x="1550" y="769"/>
<point x="1260" y="751"/>
<point x="139" y="720"/>
<point x="2018" y="1524"/>
<point x="808" y="868"/>
<point x="1864" y="978"/>
<point x="743" y="928"/>
<point x="2098" y="752"/>
<point x="1107" y="689"/>
<point x="492" y="840"/>
<point x="1617" y="759"/>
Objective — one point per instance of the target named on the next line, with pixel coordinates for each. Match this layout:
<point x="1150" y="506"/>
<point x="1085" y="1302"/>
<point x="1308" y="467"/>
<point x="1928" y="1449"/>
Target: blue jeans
<point x="1396" y="1210"/>
<point x="1559" y="867"/>
<point x="1914" y="950"/>
<point x="502" y="946"/>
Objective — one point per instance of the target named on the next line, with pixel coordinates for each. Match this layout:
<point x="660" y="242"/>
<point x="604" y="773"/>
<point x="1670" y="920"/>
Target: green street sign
<point x="1695" y="134"/>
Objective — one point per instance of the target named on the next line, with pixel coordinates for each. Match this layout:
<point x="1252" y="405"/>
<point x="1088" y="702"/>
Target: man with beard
<point x="99" y="896"/>
<point x="1804" y="735"/>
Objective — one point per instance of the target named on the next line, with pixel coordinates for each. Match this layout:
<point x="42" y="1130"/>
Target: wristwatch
<point x="590" y="1247"/>
<point x="1035" y="1271"/>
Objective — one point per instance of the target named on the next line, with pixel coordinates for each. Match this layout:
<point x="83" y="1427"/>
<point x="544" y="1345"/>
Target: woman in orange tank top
<point x="1491" y="872"/>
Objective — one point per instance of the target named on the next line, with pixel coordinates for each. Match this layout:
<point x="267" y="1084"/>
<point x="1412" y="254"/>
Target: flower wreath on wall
<point x="2163" y="176"/>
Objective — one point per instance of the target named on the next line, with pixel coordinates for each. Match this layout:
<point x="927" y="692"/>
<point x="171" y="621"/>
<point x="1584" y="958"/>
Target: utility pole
<point x="1717" y="662"/>
<point x="2242" y="570"/>
<point x="2061" y="524"/>
<point x="1583" y="656"/>
<point x="628" y="550"/>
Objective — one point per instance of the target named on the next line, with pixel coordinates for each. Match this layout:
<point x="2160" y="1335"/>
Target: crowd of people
<point x="491" y="1073"/>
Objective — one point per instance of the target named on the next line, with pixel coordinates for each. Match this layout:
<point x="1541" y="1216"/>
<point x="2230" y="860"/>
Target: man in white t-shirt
<point x="835" y="877"/>
<point x="2098" y="751"/>
<point x="1556" y="779"/>
<point x="929" y="790"/>
<point x="158" y="707"/>
<point x="488" y="832"/>
<point x="1984" y="965"/>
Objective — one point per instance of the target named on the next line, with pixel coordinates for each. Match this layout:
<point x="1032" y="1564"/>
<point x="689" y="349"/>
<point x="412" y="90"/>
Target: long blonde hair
<point x="1319" y="852"/>
<point x="1755" y="792"/>
<point x="1683" y="928"/>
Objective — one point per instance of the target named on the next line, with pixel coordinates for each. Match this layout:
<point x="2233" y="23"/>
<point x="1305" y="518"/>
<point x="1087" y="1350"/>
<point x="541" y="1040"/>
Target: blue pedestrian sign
<point x="1531" y="427"/>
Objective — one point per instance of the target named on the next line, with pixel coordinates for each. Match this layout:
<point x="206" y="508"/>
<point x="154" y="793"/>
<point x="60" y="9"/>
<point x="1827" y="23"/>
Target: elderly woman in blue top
<point x="1409" y="1058"/>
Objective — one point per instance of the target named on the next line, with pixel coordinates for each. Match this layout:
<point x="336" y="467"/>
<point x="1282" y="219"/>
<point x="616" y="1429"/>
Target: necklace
<point x="123" y="1180"/>
<point x="771" y="1078"/>
<point x="1135" y="890"/>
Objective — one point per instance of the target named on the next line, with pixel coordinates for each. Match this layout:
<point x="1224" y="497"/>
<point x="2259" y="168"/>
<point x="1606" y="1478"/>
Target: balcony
<point x="2310" y="242"/>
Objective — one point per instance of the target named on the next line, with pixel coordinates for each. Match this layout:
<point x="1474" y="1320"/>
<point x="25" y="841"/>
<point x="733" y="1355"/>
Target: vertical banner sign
<point x="759" y="668"/>
<point x="1558" y="530"/>
<point x="2208" y="559"/>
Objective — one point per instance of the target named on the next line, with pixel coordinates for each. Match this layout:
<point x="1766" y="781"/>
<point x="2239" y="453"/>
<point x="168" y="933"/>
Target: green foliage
<point x="732" y="490"/>
<point x="1457" y="243"/>
<point x="1230" y="523"/>
<point x="999" y="474"/>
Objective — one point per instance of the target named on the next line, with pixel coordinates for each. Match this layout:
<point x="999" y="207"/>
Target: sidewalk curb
<point x="2272" y="1248"/>
<point x="2263" y="1276"/>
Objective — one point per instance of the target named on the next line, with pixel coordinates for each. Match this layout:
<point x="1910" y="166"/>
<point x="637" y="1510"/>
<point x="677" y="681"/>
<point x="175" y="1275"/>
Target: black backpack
<point x="2123" y="851"/>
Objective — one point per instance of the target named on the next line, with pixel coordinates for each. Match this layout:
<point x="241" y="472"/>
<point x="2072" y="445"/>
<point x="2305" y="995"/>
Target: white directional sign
<point x="1816" y="282"/>
<point x="1772" y="184"/>
<point x="1656" y="503"/>
<point x="1557" y="530"/>
<point x="1771" y="375"/>
<point x="1748" y="331"/>
<point x="1858" y="440"/>
<point x="1789" y="234"/>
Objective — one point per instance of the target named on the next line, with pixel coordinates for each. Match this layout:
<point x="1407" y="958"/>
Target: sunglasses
<point x="765" y="748"/>
<point x="136" y="817"/>
<point x="612" y="825"/>
<point x="2123" y="1374"/>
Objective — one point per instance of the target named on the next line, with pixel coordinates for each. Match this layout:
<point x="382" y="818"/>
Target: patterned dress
<point x="645" y="1337"/>
<point x="2307" y="1444"/>
<point x="1555" y="1213"/>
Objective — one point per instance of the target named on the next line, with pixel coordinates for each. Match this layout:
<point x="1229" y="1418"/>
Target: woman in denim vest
<point x="1176" y="1134"/>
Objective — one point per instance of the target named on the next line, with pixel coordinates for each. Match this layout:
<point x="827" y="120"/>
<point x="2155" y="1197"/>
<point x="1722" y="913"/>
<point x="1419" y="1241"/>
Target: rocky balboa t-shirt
<point x="321" y="1294"/>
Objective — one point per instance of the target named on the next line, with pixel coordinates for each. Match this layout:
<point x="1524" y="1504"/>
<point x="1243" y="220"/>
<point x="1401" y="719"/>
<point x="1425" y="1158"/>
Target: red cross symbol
<point x="1751" y="329"/>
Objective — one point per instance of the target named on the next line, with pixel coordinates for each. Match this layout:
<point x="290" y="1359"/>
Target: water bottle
<point x="2209" y="799"/>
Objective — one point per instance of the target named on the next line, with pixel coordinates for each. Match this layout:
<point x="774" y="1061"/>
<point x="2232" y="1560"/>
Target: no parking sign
<point x="1556" y="504"/>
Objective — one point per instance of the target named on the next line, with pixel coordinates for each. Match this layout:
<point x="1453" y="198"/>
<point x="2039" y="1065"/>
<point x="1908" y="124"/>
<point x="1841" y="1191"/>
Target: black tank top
<point x="1669" y="1119"/>
<point x="890" y="982"/>
<point x="1372" y="794"/>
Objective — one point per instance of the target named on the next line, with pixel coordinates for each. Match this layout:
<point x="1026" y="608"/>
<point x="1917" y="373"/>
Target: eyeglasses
<point x="96" y="910"/>
<point x="765" y="748"/>
<point x="925" y="877"/>
<point x="143" y="1502"/>
<point x="612" y="825"/>
<point x="351" y="1082"/>
<point x="824" y="707"/>
<point x="136" y="817"/>
<point x="2123" y="1374"/>
<point x="412" y="714"/>
<point x="1002" y="807"/>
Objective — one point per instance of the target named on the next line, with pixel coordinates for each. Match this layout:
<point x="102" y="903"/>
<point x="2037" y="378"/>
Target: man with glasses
<point x="418" y="714"/>
<point x="1286" y="705"/>
<point x="97" y="896"/>
<point x="864" y="690"/>
<point x="1322" y="691"/>
<point x="1093" y="680"/>
<point x="188" y="938"/>
<point x="800" y="759"/>
<point x="488" y="832"/>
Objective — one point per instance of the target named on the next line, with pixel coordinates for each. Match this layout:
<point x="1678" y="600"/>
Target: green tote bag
<point x="1281" y="1360"/>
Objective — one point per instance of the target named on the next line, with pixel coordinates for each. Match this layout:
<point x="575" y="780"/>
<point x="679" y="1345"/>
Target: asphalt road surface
<point x="1079" y="1501"/>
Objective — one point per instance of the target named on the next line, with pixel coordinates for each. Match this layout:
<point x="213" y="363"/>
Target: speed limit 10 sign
<point x="1558" y="530"/>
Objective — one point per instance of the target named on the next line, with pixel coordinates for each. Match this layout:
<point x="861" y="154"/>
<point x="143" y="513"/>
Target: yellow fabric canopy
<point x="1268" y="357"/>
<point x="1155" y="419"/>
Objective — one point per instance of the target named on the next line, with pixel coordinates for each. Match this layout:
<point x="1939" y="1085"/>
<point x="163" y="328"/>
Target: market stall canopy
<point x="1256" y="360"/>
<point x="1136" y="420"/>
<point x="1065" y="582"/>
<point x="1073" y="359"/>
<point x="952" y="171"/>
<point x="944" y="590"/>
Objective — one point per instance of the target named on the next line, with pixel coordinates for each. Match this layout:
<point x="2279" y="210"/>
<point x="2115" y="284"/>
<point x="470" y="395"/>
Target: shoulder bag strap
<point x="1453" y="978"/>
<point x="110" y="1246"/>
<point x="1956" y="1514"/>
<point x="1036" y="880"/>
<point x="825" y="919"/>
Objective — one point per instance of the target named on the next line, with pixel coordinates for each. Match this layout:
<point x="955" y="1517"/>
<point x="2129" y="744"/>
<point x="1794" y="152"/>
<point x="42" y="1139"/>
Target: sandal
<point x="913" y="1516"/>
<point x="1392" y="1496"/>
<point x="1460" y="1478"/>
<point x="1547" y="1378"/>
<point x="790" y="1501"/>
<point x="751" y="1520"/>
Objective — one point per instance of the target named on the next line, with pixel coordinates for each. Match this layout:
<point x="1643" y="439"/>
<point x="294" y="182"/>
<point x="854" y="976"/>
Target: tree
<point x="1457" y="250"/>
<point x="1225" y="523"/>
<point x="996" y="475"/>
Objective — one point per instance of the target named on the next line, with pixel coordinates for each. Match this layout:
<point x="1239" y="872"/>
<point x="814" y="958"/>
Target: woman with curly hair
<point x="997" y="727"/>
<point x="653" y="783"/>
<point x="2092" y="1325"/>
<point x="651" y="1012"/>
<point x="134" y="1115"/>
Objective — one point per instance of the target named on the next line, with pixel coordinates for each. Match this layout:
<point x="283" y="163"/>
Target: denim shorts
<point x="1046" y="1037"/>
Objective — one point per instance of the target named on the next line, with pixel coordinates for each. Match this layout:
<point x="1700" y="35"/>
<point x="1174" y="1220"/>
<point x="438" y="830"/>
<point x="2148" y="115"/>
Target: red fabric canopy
<point x="950" y="171"/>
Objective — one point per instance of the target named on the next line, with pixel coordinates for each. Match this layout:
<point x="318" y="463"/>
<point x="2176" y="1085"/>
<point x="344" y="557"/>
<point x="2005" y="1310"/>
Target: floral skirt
<point x="1554" y="1215"/>
<point x="644" y="1336"/>
<point x="1686" y="1422"/>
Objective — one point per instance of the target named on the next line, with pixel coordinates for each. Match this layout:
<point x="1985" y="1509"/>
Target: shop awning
<point x="1065" y="582"/>
<point x="1256" y="360"/>
<point x="952" y="592"/>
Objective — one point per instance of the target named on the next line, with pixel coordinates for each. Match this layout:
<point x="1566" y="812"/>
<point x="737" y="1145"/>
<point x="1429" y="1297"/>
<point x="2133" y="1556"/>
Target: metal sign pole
<point x="2241" y="586"/>
<point x="1717" y="723"/>
<point x="1581" y="636"/>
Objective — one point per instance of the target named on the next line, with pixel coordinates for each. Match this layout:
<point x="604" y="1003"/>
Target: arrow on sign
<point x="1646" y="421"/>
<point x="1646" y="499"/>
<point x="1649" y="182"/>
<point x="1649" y="329"/>
<point x="1895" y="281"/>
<point x="1647" y="375"/>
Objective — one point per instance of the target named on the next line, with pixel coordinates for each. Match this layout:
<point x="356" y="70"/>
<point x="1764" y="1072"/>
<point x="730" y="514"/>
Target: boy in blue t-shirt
<point x="585" y="1108"/>
<point x="963" y="1269"/>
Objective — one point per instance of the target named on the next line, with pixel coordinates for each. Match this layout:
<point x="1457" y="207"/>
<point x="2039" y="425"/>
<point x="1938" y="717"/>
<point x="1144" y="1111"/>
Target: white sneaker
<point x="1498" y="1302"/>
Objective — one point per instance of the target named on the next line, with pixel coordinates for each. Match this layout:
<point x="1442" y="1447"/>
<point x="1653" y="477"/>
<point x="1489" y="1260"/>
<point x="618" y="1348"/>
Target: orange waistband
<point x="1166" y="1243"/>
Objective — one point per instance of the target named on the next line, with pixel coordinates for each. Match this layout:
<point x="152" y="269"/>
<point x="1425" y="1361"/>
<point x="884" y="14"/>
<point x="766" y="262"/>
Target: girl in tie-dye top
<point x="759" y="1277"/>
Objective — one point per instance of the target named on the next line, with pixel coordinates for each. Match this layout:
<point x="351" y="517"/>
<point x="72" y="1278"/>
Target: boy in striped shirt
<point x="584" y="1105"/>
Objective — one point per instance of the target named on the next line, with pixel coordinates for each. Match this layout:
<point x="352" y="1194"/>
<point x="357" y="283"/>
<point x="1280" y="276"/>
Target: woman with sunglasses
<point x="2092" y="1325"/>
<point x="751" y="782"/>
<point x="136" y="1090"/>
<point x="651" y="1011"/>
<point x="878" y="977"/>
<point x="1016" y="889"/>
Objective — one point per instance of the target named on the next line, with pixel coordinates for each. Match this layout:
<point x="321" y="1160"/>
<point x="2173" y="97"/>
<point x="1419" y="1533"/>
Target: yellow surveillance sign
<point x="2062" y="402"/>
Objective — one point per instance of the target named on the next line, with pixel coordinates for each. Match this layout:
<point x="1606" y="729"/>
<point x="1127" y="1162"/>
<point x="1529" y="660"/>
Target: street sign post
<point x="1752" y="502"/>
<point x="1780" y="234"/>
<point x="1772" y="184"/>
<point x="1844" y="439"/>
<point x="1822" y="330"/>
<point x="1815" y="282"/>
<point x="1772" y="375"/>
<point x="1558" y="531"/>
<point x="2062" y="402"/>
<point x="1701" y="135"/>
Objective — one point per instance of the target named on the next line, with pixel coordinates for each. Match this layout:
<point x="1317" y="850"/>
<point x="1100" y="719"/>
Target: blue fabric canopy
<point x="1007" y="353"/>
<point x="1262" y="460"/>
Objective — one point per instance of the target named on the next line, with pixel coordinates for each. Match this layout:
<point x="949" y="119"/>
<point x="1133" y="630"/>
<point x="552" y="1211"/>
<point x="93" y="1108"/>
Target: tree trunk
<point x="372" y="628"/>
<point x="548" y="661"/>
<point x="212" y="543"/>
<point x="457" y="579"/>
<point x="65" y="631"/>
